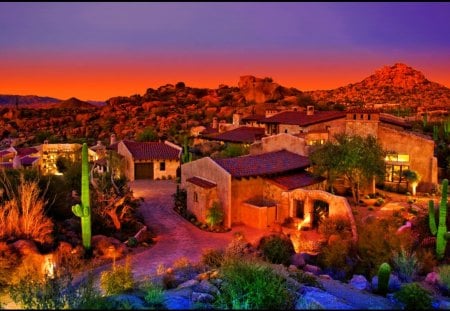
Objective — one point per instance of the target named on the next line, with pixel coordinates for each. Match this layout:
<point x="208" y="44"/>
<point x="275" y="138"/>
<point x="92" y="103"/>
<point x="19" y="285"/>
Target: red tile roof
<point x="253" y="117"/>
<point x="5" y="152"/>
<point x="294" y="181"/>
<point x="113" y="146"/>
<point x="243" y="134"/>
<point x="152" y="150"/>
<point x="390" y="119"/>
<point x="263" y="164"/>
<point x="198" y="181"/>
<point x="21" y="152"/>
<point x="209" y="130"/>
<point x="27" y="160"/>
<point x="6" y="165"/>
<point x="302" y="119"/>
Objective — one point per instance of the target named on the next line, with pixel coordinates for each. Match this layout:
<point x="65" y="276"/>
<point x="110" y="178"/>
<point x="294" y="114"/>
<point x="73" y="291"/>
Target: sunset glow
<point x="97" y="51"/>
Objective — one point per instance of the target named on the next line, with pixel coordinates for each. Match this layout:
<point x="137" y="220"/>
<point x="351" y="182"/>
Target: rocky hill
<point x="73" y="103"/>
<point x="27" y="101"/>
<point x="390" y="85"/>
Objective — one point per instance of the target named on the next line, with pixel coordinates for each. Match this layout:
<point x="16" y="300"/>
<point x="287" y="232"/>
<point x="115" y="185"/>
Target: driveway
<point x="176" y="237"/>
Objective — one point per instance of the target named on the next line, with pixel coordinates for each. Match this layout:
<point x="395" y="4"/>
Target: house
<point x="262" y="188"/>
<point x="241" y="135"/>
<point x="15" y="157"/>
<point x="150" y="160"/>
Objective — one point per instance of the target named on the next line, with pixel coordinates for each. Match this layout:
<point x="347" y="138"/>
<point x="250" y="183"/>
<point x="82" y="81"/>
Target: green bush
<point x="444" y="275"/>
<point x="335" y="225"/>
<point x="118" y="280"/>
<point x="249" y="284"/>
<point x="212" y="258"/>
<point x="414" y="297"/>
<point x="154" y="295"/>
<point x="333" y="257"/>
<point x="277" y="249"/>
<point x="132" y="242"/>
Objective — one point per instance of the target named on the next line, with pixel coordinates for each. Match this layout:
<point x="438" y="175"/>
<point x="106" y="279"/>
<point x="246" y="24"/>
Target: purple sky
<point x="288" y="41"/>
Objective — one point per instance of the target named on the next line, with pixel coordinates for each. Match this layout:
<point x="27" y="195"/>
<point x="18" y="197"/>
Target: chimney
<point x="112" y="139"/>
<point x="237" y="118"/>
<point x="309" y="110"/>
<point x="214" y="123"/>
<point x="99" y="143"/>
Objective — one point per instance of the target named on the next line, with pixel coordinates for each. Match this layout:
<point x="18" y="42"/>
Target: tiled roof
<point x="362" y="110"/>
<point x="198" y="181"/>
<point x="6" y="165"/>
<point x="263" y="164"/>
<point x="253" y="117"/>
<point x="5" y="152"/>
<point x="113" y="146"/>
<point x="209" y="130"/>
<point x="294" y="181"/>
<point x="302" y="119"/>
<point x="21" y="152"/>
<point x="390" y="119"/>
<point x="243" y="134"/>
<point x="27" y="160"/>
<point x="152" y="150"/>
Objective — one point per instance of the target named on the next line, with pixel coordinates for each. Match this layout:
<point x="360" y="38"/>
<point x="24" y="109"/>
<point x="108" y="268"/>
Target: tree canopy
<point x="358" y="159"/>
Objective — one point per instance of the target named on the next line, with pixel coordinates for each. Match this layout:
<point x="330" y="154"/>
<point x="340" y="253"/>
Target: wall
<point x="206" y="197"/>
<point x="258" y="216"/>
<point x="362" y="126"/>
<point x="170" y="172"/>
<point x="129" y="163"/>
<point x="420" y="150"/>
<point x="241" y="191"/>
<point x="278" y="142"/>
<point x="210" y="170"/>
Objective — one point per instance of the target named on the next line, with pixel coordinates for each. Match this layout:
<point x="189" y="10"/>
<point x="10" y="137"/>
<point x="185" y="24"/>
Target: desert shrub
<point x="132" y="242"/>
<point x="88" y="297"/>
<point x="180" y="201"/>
<point x="377" y="241"/>
<point x="427" y="260"/>
<point x="306" y="278"/>
<point x="23" y="215"/>
<point x="153" y="295"/>
<point x="214" y="215"/>
<point x="335" y="225"/>
<point x="276" y="249"/>
<point x="117" y="280"/>
<point x="236" y="248"/>
<point x="212" y="258"/>
<point x="444" y="275"/>
<point x="9" y="260"/>
<point x="414" y="297"/>
<point x="379" y="202"/>
<point x="251" y="284"/>
<point x="405" y="264"/>
<point x="333" y="257"/>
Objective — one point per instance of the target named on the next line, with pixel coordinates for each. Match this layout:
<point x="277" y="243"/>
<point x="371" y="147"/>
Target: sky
<point x="98" y="50"/>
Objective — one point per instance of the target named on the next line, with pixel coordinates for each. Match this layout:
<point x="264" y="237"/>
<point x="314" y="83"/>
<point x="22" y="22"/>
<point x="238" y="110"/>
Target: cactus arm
<point x="432" y="218"/>
<point x="84" y="211"/>
<point x="447" y="236"/>
<point x="441" y="241"/>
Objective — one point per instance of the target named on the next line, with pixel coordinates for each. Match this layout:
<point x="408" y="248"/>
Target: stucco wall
<point x="362" y="127"/>
<point x="205" y="199"/>
<point x="278" y="142"/>
<point x="258" y="216"/>
<point x="420" y="152"/>
<point x="210" y="170"/>
<point x="241" y="191"/>
<point x="129" y="163"/>
<point x="171" y="169"/>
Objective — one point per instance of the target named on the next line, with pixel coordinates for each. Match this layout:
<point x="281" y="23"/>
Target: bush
<point x="338" y="225"/>
<point x="236" y="248"/>
<point x="306" y="278"/>
<point x="379" y="202"/>
<point x="154" y="295"/>
<point x="252" y="285"/>
<point x="214" y="215"/>
<point x="212" y="258"/>
<point x="277" y="249"/>
<point x="334" y="257"/>
<point x="406" y="265"/>
<point x="132" y="242"/>
<point x="427" y="260"/>
<point x="118" y="280"/>
<point x="444" y="275"/>
<point x="414" y="297"/>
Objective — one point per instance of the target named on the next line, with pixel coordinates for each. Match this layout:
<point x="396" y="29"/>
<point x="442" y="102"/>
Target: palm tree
<point x="413" y="178"/>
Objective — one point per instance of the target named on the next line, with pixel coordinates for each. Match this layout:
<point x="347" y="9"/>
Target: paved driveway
<point x="176" y="237"/>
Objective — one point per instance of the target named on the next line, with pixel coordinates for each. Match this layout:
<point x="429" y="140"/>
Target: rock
<point x="394" y="283"/>
<point x="432" y="278"/>
<point x="189" y="283"/>
<point x="259" y="90"/>
<point x="25" y="247"/>
<point x="108" y="247"/>
<point x="360" y="282"/>
<point x="126" y="301"/>
<point x="206" y="287"/>
<point x="443" y="304"/>
<point x="292" y="268"/>
<point x="315" y="298"/>
<point x="298" y="260"/>
<point x="313" y="269"/>
<point x="178" y="299"/>
<point x="202" y="297"/>
<point x="325" y="277"/>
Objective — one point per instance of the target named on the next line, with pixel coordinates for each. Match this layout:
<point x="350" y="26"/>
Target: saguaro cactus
<point x="187" y="156"/>
<point x="441" y="230"/>
<point x="84" y="210"/>
<point x="384" y="273"/>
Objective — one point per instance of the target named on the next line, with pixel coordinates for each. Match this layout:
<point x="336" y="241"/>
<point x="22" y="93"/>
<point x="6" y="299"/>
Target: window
<point x="394" y="157"/>
<point x="354" y="117"/>
<point x="394" y="173"/>
<point x="162" y="166"/>
<point x="195" y="197"/>
<point x="368" y="117"/>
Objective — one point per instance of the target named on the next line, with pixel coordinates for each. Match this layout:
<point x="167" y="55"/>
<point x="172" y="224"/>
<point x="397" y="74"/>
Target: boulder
<point x="189" y="283"/>
<point x="178" y="299"/>
<point x="313" y="269"/>
<point x="202" y="297"/>
<point x="315" y="298"/>
<point x="126" y="301"/>
<point x="360" y="282"/>
<point x="298" y="260"/>
<point x="206" y="287"/>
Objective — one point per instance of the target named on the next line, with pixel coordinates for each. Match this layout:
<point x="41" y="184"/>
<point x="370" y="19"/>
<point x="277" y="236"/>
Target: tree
<point x="148" y="134"/>
<point x="214" y="215"/>
<point x="234" y="150"/>
<point x="358" y="159"/>
<point x="413" y="178"/>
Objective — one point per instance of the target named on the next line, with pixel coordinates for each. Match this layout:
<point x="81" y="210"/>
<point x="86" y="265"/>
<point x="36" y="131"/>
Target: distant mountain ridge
<point x="26" y="100"/>
<point x="74" y="103"/>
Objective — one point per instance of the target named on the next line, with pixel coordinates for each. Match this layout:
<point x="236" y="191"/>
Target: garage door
<point x="143" y="171"/>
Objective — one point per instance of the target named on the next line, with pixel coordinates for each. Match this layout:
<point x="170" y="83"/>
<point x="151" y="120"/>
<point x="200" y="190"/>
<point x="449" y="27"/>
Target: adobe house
<point x="15" y="157"/>
<point x="405" y="149"/>
<point x="150" y="160"/>
<point x="260" y="189"/>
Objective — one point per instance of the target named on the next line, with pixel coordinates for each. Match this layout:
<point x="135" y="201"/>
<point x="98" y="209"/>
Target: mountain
<point x="27" y="101"/>
<point x="74" y="103"/>
<point x="397" y="84"/>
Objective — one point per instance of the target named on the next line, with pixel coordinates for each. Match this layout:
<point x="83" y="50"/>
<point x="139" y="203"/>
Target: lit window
<point x="403" y="158"/>
<point x="162" y="166"/>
